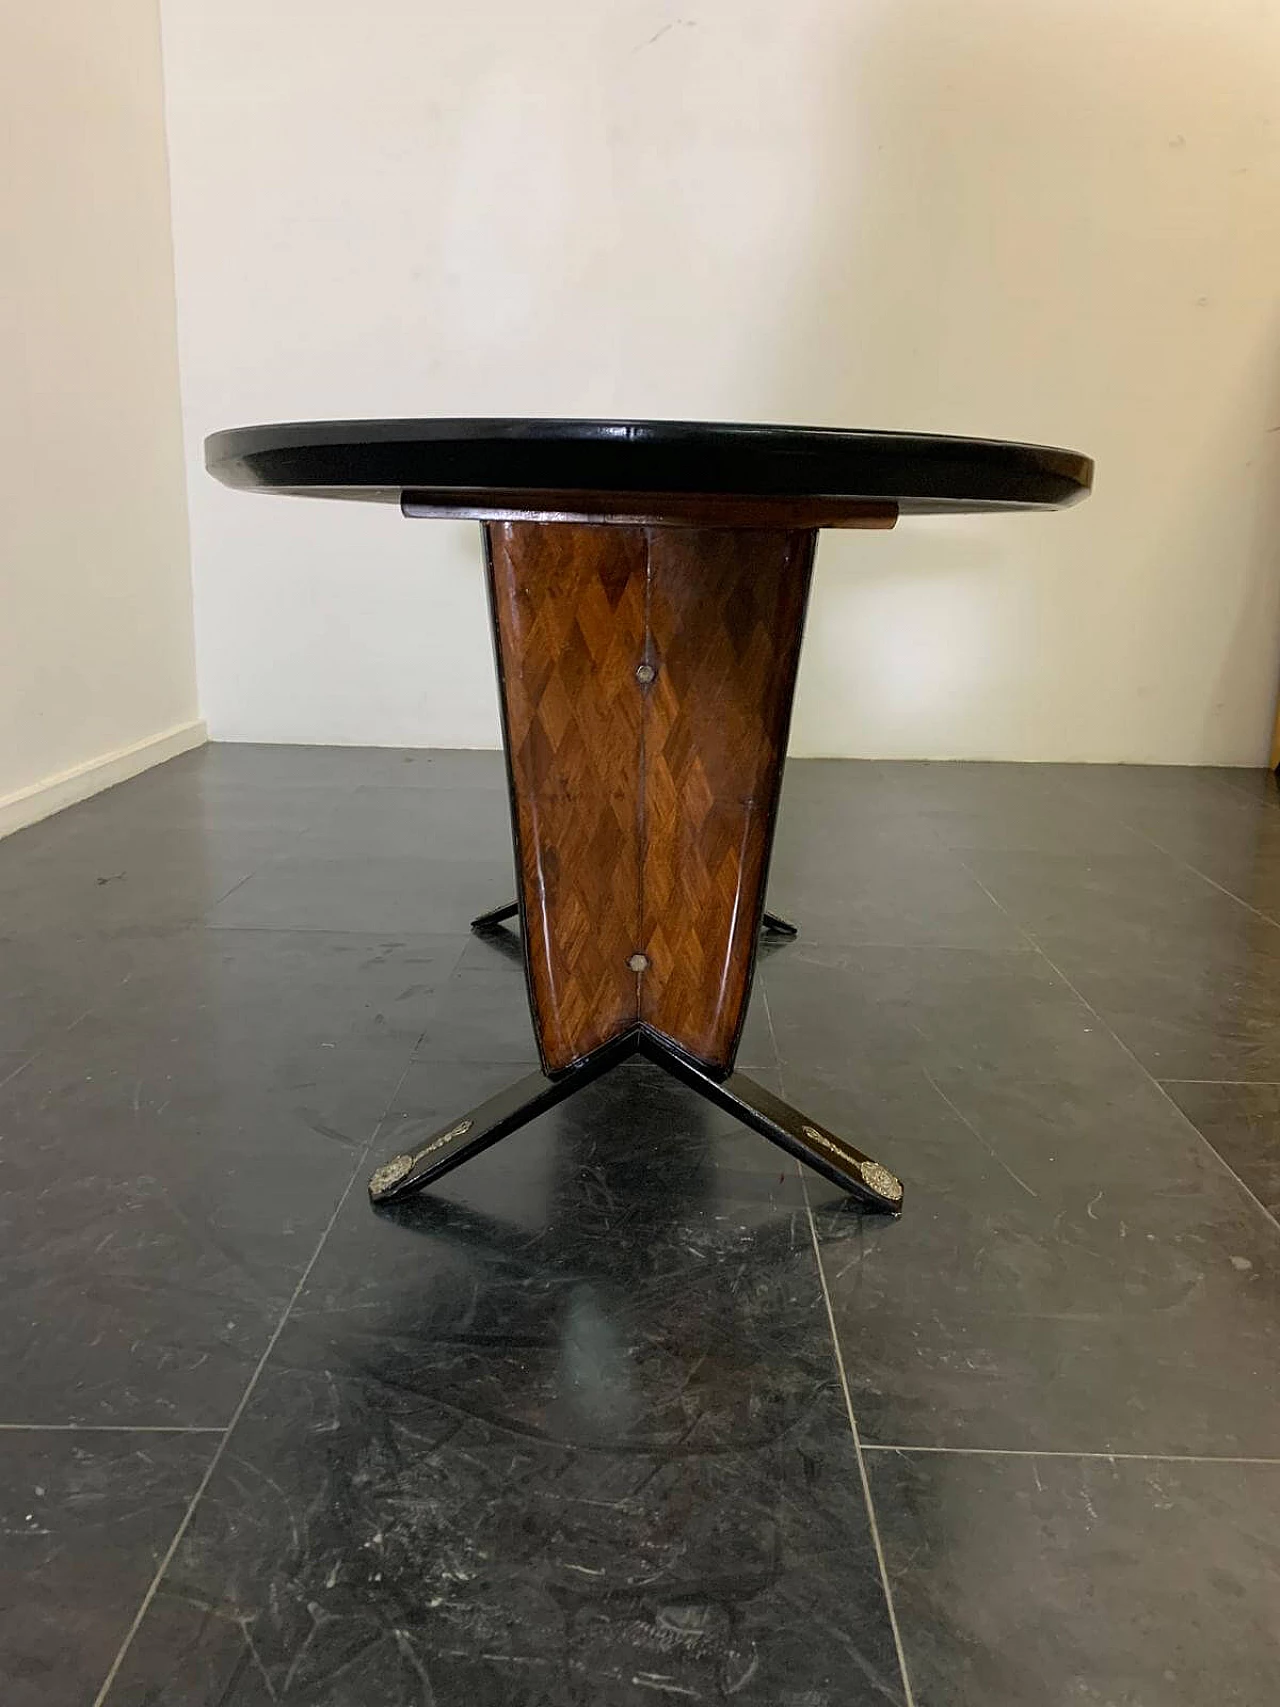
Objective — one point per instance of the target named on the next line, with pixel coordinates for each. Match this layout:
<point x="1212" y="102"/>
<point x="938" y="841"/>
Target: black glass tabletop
<point x="492" y="462"/>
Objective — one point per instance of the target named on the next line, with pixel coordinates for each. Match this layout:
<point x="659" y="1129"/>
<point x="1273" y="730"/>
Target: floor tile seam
<point x="1186" y="864"/>
<point x="1072" y="1453"/>
<point x="185" y="1523"/>
<point x="327" y="930"/>
<point x="773" y="1036"/>
<point x="280" y="854"/>
<point x="1231" y="783"/>
<point x="1220" y="786"/>
<point x="111" y="1428"/>
<point x="1025" y="950"/>
<point x="432" y="1000"/>
<point x="901" y="943"/>
<point x="1258" y="1084"/>
<point x="1182" y="1116"/>
<point x="1141" y="1066"/>
<point x="321" y="930"/>
<point x="863" y="1477"/>
<point x="198" y="925"/>
<point x="1111" y="815"/>
<point x="971" y="1127"/>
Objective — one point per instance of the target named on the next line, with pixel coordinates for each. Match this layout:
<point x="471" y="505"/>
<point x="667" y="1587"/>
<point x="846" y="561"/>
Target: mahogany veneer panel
<point x="569" y="623"/>
<point x="644" y="802"/>
<point x="726" y="611"/>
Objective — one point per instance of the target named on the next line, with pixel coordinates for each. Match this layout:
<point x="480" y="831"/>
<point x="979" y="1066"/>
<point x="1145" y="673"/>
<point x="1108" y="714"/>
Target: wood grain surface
<point x="646" y="678"/>
<point x="726" y="611"/>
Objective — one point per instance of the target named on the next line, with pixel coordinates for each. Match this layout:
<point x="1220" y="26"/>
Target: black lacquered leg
<point x="834" y="1158"/>
<point x="495" y="916"/>
<point x="776" y="925"/>
<point x="500" y="1115"/>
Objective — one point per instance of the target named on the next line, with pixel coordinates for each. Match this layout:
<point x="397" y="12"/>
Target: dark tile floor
<point x="627" y="1409"/>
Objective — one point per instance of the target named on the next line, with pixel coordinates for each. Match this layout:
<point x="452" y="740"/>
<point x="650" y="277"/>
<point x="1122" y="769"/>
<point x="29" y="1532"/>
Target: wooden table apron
<point x="648" y="584"/>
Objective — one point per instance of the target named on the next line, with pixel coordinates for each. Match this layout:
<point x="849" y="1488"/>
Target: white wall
<point x="1046" y="219"/>
<point x="97" y="667"/>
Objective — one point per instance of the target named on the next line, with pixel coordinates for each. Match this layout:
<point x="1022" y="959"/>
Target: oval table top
<point x="646" y="470"/>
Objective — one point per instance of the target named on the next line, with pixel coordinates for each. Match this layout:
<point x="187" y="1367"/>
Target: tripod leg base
<point x="774" y="923"/>
<point x="834" y="1158"/>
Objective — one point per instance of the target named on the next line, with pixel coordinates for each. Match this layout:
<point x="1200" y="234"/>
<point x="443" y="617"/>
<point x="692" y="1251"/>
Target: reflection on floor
<point x="627" y="1408"/>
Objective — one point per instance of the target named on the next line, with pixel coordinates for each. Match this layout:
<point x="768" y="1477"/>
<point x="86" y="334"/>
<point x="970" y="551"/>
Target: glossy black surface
<point x="426" y="1157"/>
<point x="1083" y="1579"/>
<point x="382" y="459"/>
<point x="85" y="1519"/>
<point x="571" y="1428"/>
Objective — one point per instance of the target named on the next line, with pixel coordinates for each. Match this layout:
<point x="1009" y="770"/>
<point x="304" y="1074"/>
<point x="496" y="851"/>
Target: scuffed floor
<point x="575" y="1428"/>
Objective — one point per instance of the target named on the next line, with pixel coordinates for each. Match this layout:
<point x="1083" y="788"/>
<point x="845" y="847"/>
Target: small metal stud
<point x="639" y="963"/>
<point x="645" y="673"/>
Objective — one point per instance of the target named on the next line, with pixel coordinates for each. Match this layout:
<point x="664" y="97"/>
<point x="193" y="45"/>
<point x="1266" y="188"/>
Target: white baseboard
<point x="42" y="799"/>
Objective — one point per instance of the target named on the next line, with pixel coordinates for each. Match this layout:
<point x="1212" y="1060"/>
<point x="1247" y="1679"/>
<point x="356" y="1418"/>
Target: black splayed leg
<point x="834" y="1158"/>
<point x="522" y="1102"/>
<point x="497" y="1118"/>
<point x="495" y="916"/>
<point x="774" y="923"/>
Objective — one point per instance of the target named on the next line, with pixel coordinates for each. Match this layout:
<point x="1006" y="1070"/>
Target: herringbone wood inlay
<point x="644" y="804"/>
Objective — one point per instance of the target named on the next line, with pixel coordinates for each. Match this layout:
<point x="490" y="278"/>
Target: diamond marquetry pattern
<point x="726" y="610"/>
<point x="569" y="618"/>
<point x="644" y="804"/>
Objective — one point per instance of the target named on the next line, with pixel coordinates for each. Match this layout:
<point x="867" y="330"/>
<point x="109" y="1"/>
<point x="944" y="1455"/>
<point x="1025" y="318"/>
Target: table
<point x="647" y="583"/>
